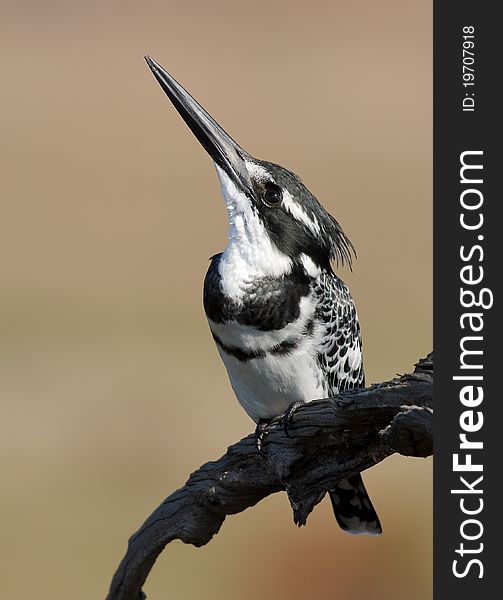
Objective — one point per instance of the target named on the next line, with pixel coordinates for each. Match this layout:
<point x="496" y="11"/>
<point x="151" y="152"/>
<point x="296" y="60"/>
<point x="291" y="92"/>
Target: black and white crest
<point x="298" y="224"/>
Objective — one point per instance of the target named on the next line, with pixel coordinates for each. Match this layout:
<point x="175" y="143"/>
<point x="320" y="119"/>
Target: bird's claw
<point x="287" y="417"/>
<point x="260" y="433"/>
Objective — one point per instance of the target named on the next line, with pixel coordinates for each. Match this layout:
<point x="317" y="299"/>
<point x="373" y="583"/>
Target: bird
<point x="285" y="325"/>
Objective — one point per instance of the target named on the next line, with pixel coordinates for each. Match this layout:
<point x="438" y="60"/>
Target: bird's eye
<point x="272" y="195"/>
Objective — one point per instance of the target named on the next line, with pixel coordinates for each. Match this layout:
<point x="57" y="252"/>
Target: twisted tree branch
<point x="329" y="440"/>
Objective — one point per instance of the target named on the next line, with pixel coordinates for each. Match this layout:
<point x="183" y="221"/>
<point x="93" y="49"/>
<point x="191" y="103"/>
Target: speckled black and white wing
<point x="340" y="359"/>
<point x="340" y="352"/>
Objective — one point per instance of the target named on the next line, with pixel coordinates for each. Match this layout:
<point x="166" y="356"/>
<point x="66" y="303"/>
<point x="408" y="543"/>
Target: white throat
<point x="250" y="253"/>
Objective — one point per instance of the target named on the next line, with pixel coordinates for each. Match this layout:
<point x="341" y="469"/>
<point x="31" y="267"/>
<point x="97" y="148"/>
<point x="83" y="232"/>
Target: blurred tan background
<point x="109" y="212"/>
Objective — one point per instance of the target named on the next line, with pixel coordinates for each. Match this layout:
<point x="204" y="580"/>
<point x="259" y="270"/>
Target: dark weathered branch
<point x="329" y="440"/>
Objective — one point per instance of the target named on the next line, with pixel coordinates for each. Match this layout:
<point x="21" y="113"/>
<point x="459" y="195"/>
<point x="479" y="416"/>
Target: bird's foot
<point x="287" y="417"/>
<point x="260" y="433"/>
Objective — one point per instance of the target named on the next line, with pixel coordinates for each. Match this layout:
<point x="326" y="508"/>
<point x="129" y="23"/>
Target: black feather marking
<point x="256" y="308"/>
<point x="245" y="355"/>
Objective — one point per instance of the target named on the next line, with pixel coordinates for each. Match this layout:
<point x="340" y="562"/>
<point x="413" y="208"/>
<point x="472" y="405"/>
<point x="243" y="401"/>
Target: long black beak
<point x="218" y="144"/>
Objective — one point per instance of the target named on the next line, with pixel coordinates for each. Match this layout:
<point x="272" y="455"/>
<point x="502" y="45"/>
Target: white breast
<point x="267" y="385"/>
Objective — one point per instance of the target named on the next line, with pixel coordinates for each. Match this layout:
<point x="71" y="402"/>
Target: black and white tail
<point x="352" y="507"/>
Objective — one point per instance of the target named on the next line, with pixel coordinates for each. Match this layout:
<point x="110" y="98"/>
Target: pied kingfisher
<point x="284" y="324"/>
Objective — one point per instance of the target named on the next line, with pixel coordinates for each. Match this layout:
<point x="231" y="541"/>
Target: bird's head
<point x="270" y="210"/>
